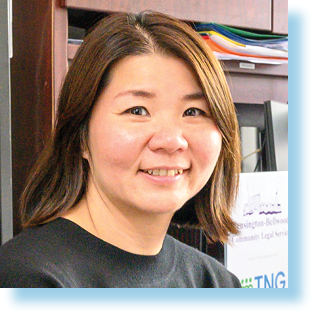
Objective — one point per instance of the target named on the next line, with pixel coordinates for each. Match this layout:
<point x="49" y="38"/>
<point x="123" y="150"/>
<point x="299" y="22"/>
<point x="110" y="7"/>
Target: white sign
<point x="258" y="256"/>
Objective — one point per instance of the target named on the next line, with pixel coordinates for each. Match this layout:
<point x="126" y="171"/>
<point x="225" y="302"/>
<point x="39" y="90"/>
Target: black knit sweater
<point x="62" y="254"/>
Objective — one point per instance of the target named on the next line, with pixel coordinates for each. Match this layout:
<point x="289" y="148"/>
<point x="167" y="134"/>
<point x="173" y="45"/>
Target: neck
<point x="132" y="230"/>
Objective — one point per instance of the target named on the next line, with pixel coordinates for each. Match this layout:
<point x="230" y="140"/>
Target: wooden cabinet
<point x="247" y="85"/>
<point x="241" y="13"/>
<point x="263" y="82"/>
<point x="265" y="15"/>
<point x="41" y="52"/>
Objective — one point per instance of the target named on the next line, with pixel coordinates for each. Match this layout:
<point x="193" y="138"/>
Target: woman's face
<point x="152" y="142"/>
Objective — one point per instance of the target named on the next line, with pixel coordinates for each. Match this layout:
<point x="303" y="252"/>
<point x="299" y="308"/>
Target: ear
<point x="84" y="146"/>
<point x="85" y="154"/>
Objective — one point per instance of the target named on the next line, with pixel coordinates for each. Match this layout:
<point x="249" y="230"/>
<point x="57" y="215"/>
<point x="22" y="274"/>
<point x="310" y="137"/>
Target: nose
<point x="168" y="136"/>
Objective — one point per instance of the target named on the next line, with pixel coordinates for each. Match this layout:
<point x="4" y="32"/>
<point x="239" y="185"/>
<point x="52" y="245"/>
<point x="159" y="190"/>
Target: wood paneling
<point x="31" y="89"/>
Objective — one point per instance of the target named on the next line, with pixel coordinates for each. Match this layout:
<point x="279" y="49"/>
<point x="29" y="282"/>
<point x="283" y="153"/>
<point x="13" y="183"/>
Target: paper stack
<point x="230" y="43"/>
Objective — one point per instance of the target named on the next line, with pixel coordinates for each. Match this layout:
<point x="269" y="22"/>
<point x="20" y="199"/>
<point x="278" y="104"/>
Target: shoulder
<point x="19" y="265"/>
<point x="35" y="241"/>
<point x="214" y="274"/>
<point x="32" y="257"/>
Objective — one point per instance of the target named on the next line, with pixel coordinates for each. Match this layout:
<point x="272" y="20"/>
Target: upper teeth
<point x="164" y="172"/>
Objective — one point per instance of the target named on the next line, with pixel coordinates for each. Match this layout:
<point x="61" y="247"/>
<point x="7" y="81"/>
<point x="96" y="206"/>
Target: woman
<point x="145" y="124"/>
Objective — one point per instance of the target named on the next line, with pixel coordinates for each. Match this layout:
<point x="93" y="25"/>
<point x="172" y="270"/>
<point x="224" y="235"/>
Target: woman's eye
<point x="194" y="112"/>
<point x="138" y="111"/>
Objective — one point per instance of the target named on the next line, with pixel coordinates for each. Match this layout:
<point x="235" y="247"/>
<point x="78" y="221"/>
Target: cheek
<point x="209" y="148"/>
<point x="112" y="145"/>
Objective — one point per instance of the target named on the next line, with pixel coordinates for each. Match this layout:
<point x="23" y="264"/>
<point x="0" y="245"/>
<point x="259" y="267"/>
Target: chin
<point x="164" y="208"/>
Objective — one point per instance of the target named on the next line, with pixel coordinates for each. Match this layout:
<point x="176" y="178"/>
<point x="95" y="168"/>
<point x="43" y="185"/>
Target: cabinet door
<point x="280" y="17"/>
<point x="239" y="13"/>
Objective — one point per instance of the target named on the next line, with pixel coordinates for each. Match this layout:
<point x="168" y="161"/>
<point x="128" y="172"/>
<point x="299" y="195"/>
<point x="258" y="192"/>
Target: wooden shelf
<point x="263" y="69"/>
<point x="265" y="82"/>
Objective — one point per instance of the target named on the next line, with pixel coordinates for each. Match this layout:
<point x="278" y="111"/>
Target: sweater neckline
<point x="76" y="228"/>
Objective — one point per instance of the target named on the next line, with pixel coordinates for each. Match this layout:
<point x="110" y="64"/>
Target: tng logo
<point x="265" y="282"/>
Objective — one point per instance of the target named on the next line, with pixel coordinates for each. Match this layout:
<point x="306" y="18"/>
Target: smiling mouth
<point x="162" y="172"/>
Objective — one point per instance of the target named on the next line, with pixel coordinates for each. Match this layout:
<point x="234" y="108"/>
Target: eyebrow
<point x="194" y="96"/>
<point x="146" y="94"/>
<point x="138" y="93"/>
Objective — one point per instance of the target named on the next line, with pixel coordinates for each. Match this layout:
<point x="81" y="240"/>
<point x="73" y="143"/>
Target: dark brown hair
<point x="59" y="178"/>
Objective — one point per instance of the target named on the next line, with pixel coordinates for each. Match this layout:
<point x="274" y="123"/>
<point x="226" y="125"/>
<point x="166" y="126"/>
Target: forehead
<point x="153" y="71"/>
